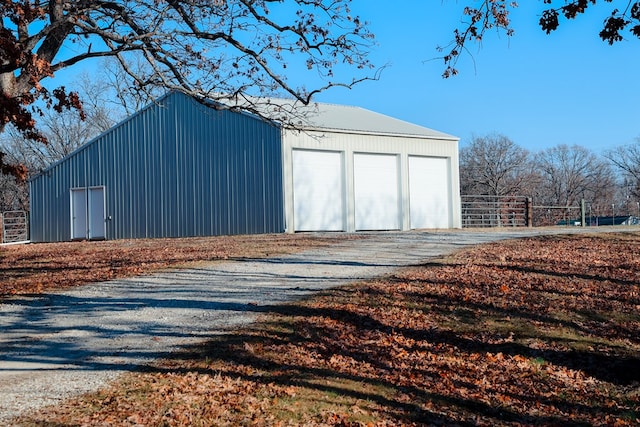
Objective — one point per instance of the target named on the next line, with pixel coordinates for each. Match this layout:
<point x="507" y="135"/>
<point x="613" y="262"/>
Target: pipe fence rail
<point x="495" y="211"/>
<point x="15" y="226"/>
<point x="558" y="215"/>
<point x="519" y="211"/>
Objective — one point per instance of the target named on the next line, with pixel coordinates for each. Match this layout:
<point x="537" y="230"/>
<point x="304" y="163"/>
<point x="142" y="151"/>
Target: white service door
<point x="377" y="195"/>
<point x="429" y="195"/>
<point x="88" y="213"/>
<point x="79" y="213"/>
<point x="318" y="191"/>
<point x="96" y="214"/>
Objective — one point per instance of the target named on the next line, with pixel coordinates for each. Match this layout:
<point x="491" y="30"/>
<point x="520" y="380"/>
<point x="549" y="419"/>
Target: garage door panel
<point x="377" y="200"/>
<point x="429" y="194"/>
<point x="318" y="191"/>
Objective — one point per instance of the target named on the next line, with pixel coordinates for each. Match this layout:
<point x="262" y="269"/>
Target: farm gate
<point x="15" y="226"/>
<point x="518" y="211"/>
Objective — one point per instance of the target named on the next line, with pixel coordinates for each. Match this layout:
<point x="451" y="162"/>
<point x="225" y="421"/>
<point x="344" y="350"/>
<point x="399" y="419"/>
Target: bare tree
<point x="125" y="95"/>
<point x="571" y="173"/>
<point x="494" y="165"/>
<point x="65" y="132"/>
<point x="14" y="194"/>
<point x="627" y="160"/>
<point x="210" y="49"/>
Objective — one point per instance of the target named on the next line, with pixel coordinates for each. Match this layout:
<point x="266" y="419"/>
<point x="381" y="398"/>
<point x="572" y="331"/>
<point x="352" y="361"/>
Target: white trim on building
<point x="404" y="148"/>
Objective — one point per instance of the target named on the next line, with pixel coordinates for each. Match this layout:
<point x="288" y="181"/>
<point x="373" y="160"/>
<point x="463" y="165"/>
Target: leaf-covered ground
<point x="541" y="331"/>
<point x="36" y="268"/>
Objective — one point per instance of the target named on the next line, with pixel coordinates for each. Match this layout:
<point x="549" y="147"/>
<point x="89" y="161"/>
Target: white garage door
<point x="318" y="191"/>
<point x="429" y="192"/>
<point x="377" y="201"/>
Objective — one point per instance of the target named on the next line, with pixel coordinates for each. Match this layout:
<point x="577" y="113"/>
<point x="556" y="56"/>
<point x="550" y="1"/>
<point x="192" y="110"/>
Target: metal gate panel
<point x="15" y="227"/>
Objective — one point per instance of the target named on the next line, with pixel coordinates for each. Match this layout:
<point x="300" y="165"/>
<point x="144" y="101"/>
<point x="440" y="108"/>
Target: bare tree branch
<point x="494" y="15"/>
<point x="494" y="165"/>
<point x="205" y="48"/>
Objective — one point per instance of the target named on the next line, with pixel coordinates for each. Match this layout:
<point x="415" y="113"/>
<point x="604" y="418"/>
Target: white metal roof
<point x="356" y="119"/>
<point x="321" y="116"/>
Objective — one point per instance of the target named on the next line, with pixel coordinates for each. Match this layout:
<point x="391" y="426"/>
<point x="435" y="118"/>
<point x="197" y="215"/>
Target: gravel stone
<point x="64" y="344"/>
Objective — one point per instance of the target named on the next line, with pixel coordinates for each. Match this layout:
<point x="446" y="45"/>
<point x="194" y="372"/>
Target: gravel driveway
<point x="64" y="344"/>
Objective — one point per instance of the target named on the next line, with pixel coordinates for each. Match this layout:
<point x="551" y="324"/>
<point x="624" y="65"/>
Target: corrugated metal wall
<point x="174" y="169"/>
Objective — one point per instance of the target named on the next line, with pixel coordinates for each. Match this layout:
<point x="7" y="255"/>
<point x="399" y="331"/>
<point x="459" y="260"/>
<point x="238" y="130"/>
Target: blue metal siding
<point x="175" y="169"/>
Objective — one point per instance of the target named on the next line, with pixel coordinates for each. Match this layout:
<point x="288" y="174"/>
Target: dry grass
<point x="542" y="331"/>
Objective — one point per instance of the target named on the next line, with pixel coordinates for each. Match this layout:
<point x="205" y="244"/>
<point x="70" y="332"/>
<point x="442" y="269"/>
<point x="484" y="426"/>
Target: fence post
<point x="583" y="215"/>
<point x="529" y="211"/>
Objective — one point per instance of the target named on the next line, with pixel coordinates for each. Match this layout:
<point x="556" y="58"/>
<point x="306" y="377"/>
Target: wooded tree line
<point x="563" y="175"/>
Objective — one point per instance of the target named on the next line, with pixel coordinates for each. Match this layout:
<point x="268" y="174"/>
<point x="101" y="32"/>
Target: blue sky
<point x="540" y="90"/>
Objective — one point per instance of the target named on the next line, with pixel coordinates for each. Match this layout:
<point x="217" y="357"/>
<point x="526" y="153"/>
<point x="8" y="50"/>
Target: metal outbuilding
<point x="179" y="168"/>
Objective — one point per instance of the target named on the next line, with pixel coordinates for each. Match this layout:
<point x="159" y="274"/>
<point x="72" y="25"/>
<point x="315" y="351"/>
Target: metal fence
<point x="15" y="226"/>
<point x="519" y="211"/>
<point x="558" y="215"/>
<point x="495" y="211"/>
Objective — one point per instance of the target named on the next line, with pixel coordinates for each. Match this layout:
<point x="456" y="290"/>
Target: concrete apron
<point x="64" y="344"/>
